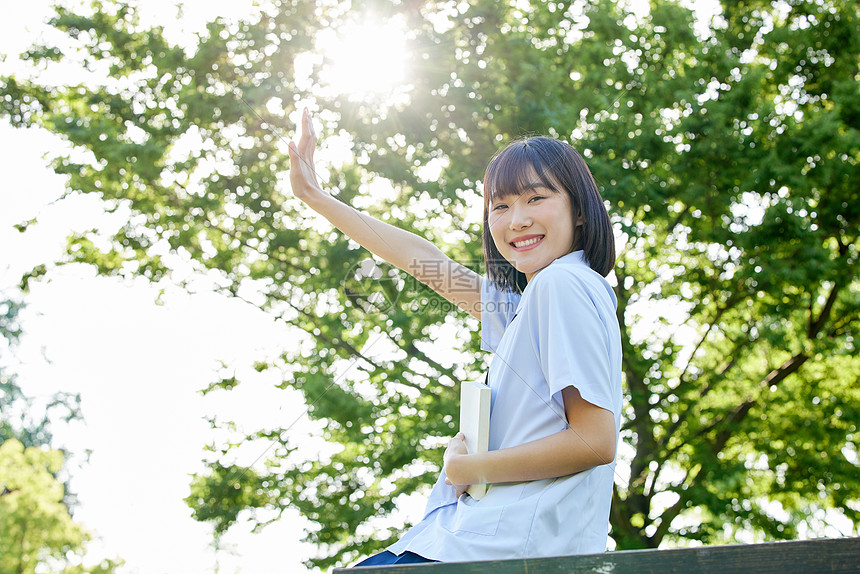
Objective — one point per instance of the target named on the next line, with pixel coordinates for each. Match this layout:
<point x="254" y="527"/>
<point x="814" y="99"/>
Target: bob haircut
<point x="560" y="168"/>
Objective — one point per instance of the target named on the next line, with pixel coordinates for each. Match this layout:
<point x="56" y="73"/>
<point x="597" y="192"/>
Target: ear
<point x="579" y="221"/>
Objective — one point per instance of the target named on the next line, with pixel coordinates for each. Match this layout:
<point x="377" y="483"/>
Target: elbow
<point x="604" y="439"/>
<point x="608" y="450"/>
<point x="600" y="448"/>
<point x="607" y="442"/>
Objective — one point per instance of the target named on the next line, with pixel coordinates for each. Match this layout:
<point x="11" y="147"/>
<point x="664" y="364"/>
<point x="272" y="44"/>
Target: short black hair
<point x="560" y="168"/>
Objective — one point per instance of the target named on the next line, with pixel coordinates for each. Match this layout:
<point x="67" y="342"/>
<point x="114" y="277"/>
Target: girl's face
<point x="533" y="229"/>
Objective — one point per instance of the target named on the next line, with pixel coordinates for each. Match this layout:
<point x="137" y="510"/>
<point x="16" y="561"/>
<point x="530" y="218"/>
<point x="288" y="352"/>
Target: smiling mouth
<point x="526" y="243"/>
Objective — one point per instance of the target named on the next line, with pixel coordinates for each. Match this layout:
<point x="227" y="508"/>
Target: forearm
<point x="560" y="454"/>
<point x="401" y="248"/>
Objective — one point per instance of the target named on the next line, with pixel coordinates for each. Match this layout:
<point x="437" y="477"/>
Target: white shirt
<point x="561" y="332"/>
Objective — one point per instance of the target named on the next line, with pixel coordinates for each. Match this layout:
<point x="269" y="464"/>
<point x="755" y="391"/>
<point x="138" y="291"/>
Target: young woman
<point x="548" y="314"/>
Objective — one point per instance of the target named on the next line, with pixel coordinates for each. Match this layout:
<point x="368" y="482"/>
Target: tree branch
<point x="733" y="300"/>
<point x="774" y="377"/>
<point x="709" y="386"/>
<point x="666" y="518"/>
<point x="677" y="220"/>
<point x="815" y="324"/>
<point x="669" y="514"/>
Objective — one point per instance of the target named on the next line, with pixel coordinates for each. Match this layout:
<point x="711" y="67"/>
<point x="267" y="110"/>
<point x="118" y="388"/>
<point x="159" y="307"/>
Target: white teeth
<point x="527" y="242"/>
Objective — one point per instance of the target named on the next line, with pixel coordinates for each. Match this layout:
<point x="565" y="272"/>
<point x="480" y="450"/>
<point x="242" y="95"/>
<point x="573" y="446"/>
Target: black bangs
<point x="514" y="170"/>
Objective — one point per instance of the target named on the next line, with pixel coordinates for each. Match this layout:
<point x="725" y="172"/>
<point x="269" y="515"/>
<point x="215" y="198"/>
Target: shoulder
<point x="560" y="274"/>
<point x="562" y="277"/>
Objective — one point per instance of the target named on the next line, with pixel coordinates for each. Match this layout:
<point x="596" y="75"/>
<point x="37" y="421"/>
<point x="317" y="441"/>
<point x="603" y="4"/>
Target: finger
<point x="304" y="136"/>
<point x="309" y="124"/>
<point x="309" y="135"/>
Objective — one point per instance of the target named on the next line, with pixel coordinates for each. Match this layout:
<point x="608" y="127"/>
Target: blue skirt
<point x="385" y="557"/>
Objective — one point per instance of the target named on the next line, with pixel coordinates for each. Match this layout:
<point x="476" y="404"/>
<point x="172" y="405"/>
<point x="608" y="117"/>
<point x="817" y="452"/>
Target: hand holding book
<point x="474" y="435"/>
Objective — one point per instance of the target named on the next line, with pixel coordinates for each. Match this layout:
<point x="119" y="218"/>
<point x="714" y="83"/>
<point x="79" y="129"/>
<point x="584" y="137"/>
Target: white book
<point x="475" y="424"/>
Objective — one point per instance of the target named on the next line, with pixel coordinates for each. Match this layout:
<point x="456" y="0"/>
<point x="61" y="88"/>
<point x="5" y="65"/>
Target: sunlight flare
<point x="366" y="59"/>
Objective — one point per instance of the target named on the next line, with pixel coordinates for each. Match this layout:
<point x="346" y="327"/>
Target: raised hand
<point x="401" y="248"/>
<point x="303" y="176"/>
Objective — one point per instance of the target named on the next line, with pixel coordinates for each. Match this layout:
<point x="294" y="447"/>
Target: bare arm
<point x="405" y="250"/>
<point x="590" y="441"/>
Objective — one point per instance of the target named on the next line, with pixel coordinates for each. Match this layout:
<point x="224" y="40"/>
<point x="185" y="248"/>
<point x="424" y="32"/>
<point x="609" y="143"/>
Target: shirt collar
<point x="572" y="257"/>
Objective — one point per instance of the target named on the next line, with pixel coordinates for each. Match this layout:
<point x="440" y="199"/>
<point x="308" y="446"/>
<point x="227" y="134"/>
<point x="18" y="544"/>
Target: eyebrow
<point x="535" y="185"/>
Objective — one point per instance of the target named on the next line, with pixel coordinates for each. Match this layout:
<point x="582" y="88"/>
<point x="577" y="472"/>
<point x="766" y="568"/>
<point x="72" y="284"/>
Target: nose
<point x="519" y="217"/>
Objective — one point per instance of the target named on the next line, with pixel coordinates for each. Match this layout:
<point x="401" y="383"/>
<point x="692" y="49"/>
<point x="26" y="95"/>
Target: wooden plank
<point x="807" y="556"/>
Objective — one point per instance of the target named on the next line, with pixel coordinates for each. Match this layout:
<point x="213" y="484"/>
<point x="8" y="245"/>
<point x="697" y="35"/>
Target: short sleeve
<point x="498" y="308"/>
<point x="572" y="337"/>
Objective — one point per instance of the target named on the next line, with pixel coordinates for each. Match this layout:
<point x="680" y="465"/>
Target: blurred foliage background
<point x="725" y="144"/>
<point x="37" y="529"/>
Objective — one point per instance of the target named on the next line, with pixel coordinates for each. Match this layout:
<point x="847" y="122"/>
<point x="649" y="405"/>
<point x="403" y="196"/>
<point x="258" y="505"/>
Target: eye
<point x="535" y="198"/>
<point x="499" y="206"/>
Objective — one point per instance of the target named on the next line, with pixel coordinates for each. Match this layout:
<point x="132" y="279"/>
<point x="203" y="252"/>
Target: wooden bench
<point x="806" y="556"/>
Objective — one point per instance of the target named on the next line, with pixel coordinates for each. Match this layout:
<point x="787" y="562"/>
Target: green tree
<point x="726" y="151"/>
<point x="35" y="524"/>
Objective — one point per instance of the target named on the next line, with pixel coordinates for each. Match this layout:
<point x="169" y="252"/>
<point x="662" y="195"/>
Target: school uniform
<point x="561" y="331"/>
